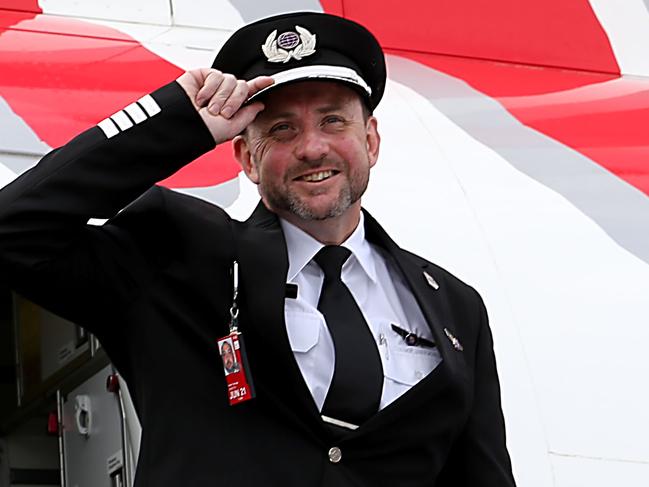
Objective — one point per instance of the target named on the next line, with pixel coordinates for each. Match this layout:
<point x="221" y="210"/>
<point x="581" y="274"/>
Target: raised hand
<point x="219" y="97"/>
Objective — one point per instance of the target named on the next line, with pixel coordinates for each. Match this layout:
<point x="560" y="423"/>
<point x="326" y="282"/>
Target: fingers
<point x="238" y="95"/>
<point x="216" y="88"/>
<point x="220" y="100"/>
<point x="223" y="94"/>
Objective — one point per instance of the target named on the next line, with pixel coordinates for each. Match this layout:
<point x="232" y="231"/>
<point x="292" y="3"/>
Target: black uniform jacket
<point x="154" y="284"/>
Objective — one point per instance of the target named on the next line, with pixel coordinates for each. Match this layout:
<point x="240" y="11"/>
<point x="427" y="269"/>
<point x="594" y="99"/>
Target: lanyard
<point x="239" y="383"/>
<point x="234" y="309"/>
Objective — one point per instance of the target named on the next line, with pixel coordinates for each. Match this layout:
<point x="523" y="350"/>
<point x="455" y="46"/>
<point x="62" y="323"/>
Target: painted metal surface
<point x="61" y="76"/>
<point x="549" y="33"/>
<point x="514" y="127"/>
<point x="93" y="442"/>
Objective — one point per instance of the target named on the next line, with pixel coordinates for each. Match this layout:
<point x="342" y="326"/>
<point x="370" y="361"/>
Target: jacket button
<point x="335" y="455"/>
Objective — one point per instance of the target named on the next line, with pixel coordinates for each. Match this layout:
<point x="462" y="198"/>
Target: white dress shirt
<point x="383" y="297"/>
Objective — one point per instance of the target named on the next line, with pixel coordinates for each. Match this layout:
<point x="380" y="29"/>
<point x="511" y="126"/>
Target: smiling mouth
<point x="316" y="177"/>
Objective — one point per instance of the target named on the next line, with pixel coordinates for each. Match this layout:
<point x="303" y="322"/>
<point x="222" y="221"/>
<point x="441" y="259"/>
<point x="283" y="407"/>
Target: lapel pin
<point x="431" y="281"/>
<point x="456" y="343"/>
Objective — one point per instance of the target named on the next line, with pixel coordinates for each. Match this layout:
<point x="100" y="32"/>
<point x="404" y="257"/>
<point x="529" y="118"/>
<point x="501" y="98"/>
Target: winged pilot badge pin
<point x="454" y="341"/>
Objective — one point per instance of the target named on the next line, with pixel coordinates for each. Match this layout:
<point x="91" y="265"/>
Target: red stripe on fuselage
<point x="544" y="33"/>
<point x="22" y="5"/>
<point x="605" y="122"/>
<point x="63" y="83"/>
<point x="609" y="129"/>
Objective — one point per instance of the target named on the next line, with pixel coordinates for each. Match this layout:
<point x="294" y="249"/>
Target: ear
<point x="373" y="140"/>
<point x="244" y="157"/>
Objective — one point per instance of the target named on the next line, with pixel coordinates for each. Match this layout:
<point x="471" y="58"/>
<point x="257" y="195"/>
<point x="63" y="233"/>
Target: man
<point x="230" y="364"/>
<point x="372" y="367"/>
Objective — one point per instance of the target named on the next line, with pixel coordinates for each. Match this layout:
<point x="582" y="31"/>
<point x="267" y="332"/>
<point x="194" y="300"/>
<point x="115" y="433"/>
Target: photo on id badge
<point x="228" y="356"/>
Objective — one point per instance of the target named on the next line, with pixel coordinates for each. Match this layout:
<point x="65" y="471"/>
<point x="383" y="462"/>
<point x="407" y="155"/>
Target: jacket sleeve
<point x="49" y="254"/>
<point x="479" y="456"/>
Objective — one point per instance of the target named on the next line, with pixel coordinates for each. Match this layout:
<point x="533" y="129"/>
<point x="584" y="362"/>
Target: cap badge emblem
<point x="289" y="45"/>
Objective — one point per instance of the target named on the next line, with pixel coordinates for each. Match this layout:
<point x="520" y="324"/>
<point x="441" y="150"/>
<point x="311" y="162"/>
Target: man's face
<point x="310" y="150"/>
<point x="228" y="356"/>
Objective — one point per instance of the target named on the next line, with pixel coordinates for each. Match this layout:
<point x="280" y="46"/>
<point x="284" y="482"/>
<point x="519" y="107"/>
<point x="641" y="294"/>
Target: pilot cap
<point x="307" y="46"/>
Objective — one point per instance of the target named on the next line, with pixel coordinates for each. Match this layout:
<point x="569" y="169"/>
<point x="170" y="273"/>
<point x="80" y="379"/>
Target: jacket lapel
<point x="263" y="265"/>
<point x="434" y="306"/>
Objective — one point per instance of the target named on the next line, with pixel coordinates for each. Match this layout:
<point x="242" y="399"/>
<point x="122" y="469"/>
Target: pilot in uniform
<point x="370" y="365"/>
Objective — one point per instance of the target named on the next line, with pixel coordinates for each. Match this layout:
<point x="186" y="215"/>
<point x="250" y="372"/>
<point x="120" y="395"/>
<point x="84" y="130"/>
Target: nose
<point x="311" y="145"/>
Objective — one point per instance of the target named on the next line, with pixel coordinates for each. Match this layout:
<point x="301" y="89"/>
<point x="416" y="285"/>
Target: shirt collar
<point x="302" y="247"/>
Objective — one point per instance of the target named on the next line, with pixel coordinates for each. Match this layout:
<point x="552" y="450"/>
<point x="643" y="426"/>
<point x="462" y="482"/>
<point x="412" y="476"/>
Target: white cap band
<point x="340" y="73"/>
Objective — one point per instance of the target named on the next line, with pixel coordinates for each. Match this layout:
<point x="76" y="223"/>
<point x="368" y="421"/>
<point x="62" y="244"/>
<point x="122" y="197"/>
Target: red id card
<point x="235" y="367"/>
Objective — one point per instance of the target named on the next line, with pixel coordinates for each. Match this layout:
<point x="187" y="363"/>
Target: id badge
<point x="235" y="366"/>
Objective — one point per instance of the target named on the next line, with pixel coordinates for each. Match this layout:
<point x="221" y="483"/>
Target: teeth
<point x="318" y="176"/>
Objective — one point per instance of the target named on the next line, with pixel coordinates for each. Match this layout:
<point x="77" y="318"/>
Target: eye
<point x="279" y="127"/>
<point x="333" y="119"/>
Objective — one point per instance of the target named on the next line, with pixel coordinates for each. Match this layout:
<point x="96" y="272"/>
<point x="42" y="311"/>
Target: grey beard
<point x="288" y="201"/>
<point x="291" y="203"/>
<point x="299" y="209"/>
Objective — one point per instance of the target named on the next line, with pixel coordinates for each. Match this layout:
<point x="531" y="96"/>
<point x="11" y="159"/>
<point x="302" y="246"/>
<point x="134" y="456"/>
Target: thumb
<point x="229" y="128"/>
<point x="246" y="115"/>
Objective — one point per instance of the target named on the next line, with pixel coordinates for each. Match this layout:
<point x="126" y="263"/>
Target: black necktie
<point x="355" y="390"/>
